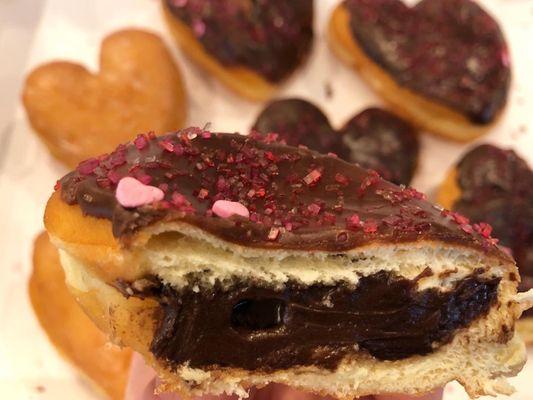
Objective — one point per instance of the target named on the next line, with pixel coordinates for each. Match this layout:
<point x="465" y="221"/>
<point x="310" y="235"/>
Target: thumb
<point x="435" y="395"/>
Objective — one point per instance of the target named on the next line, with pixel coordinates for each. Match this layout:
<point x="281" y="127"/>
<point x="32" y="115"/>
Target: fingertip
<point x="434" y="395"/>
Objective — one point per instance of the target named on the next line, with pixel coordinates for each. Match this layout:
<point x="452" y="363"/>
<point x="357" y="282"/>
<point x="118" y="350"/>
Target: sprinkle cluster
<point x="255" y="190"/>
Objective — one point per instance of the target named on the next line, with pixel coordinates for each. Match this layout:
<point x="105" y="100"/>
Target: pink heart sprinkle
<point x="132" y="193"/>
<point x="225" y="209"/>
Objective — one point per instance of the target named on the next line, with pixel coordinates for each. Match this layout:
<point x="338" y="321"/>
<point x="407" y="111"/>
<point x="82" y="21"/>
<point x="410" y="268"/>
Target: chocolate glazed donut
<point x="374" y="138"/>
<point x="496" y="186"/>
<point x="250" y="45"/>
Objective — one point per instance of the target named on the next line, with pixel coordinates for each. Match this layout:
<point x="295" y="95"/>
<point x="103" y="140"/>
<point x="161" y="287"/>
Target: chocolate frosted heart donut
<point x="444" y="64"/>
<point x="250" y="45"/>
<point x="381" y="141"/>
<point x="299" y="122"/>
<point x="374" y="138"/>
<point x="495" y="185"/>
<point x="266" y="263"/>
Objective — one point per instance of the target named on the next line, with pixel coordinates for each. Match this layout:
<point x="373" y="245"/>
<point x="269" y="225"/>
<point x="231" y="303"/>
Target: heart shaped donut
<point x="493" y="185"/>
<point x="374" y="138"/>
<point x="442" y="64"/>
<point x="249" y="45"/>
<point x="79" y="114"/>
<point x="69" y="329"/>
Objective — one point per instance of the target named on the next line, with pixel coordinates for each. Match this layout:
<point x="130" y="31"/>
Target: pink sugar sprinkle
<point x="88" y="166"/>
<point x="312" y="177"/>
<point x="140" y="142"/>
<point x="370" y="226"/>
<point x="198" y="27"/>
<point x="340" y="178"/>
<point x="167" y="145"/>
<point x="353" y="222"/>
<point x="506" y="60"/>
<point x="133" y="193"/>
<point x="225" y="209"/>
<point x="273" y="234"/>
<point x="314" y="209"/>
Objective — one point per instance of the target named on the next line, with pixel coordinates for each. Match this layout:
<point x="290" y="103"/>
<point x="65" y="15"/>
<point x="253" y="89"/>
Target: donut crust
<point x="418" y="110"/>
<point x="71" y="332"/>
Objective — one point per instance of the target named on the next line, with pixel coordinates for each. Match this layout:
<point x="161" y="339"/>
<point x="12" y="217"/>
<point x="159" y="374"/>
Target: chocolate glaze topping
<point x="497" y="187"/>
<point x="299" y="122"/>
<point x="297" y="198"/>
<point x="381" y="141"/>
<point x="374" y="138"/>
<point x="451" y="51"/>
<point x="270" y="37"/>
<point x="253" y="327"/>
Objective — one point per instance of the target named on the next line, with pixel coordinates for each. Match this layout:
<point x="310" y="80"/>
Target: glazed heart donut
<point x="250" y="46"/>
<point x="493" y="185"/>
<point x="78" y="114"/>
<point x="442" y="64"/>
<point x="374" y="138"/>
<point x="230" y="262"/>
<point x="71" y="332"/>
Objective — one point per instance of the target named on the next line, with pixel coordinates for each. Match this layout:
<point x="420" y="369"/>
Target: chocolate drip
<point x="271" y="38"/>
<point x="374" y="138"/>
<point x="451" y="51"/>
<point x="252" y="327"/>
<point x="297" y="199"/>
<point x="497" y="187"/>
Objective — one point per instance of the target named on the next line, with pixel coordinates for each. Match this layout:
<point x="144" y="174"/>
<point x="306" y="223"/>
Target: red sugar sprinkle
<point x="113" y="176"/>
<point x="330" y="218"/>
<point x="271" y="137"/>
<point x="371" y="179"/>
<point x="483" y="229"/>
<point x="167" y="145"/>
<point x="151" y="135"/>
<point x="270" y="156"/>
<point x="143" y="178"/>
<point x="57" y="186"/>
<point x="460" y="219"/>
<point x="103" y="182"/>
<point x="273" y="234"/>
<point x="353" y="222"/>
<point x="141" y="141"/>
<point x="178" y="149"/>
<point x="467" y="228"/>
<point x="203" y="193"/>
<point x="370" y="226"/>
<point x="178" y="199"/>
<point x="314" y="208"/>
<point x="88" y="166"/>
<point x="340" y="178"/>
<point x="312" y="177"/>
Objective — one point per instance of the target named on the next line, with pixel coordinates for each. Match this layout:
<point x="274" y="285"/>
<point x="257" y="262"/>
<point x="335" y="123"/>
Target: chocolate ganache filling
<point x="451" y="51"/>
<point x="270" y="37"/>
<point x="255" y="327"/>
